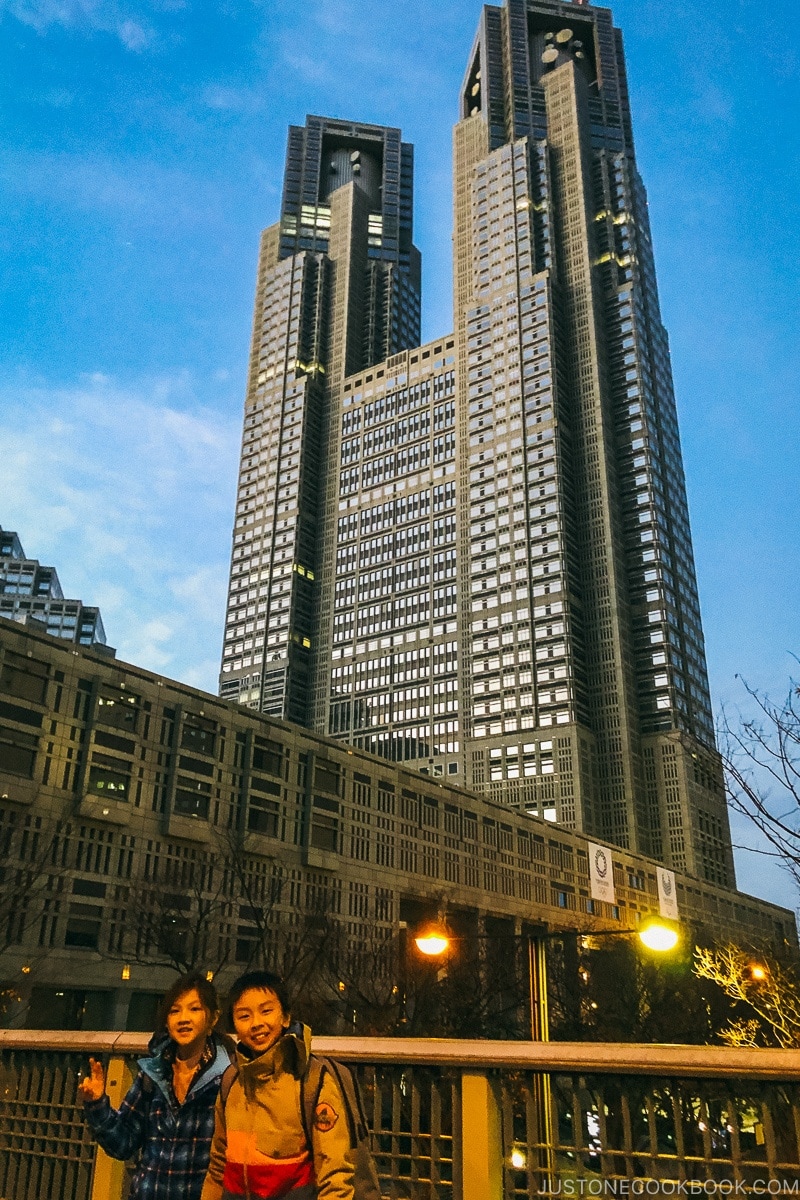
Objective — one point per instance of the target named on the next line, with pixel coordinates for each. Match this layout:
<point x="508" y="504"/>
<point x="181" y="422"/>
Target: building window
<point x="24" y="678"/>
<point x="263" y="816"/>
<point x="268" y="756"/>
<point x="192" y="797"/>
<point x="199" y="734"/>
<point x="17" y="752"/>
<point x="110" y="777"/>
<point x="325" y="824"/>
<point x="83" y="927"/>
<point x="118" y="710"/>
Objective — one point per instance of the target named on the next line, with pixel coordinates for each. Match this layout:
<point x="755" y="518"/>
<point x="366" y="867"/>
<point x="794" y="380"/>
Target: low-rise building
<point x="145" y="824"/>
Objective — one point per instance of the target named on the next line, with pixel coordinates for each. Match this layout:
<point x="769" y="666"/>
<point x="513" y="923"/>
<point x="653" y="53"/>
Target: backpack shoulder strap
<point x="310" y="1090"/>
<point x="226" y="1082"/>
<point x="351" y="1094"/>
<point x="366" y="1184"/>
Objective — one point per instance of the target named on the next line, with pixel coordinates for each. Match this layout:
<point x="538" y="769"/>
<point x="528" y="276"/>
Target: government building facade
<point x="474" y="555"/>
<point x="148" y="827"/>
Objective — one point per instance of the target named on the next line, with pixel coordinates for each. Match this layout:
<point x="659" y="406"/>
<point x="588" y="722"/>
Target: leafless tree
<point x="178" y="928"/>
<point x="29" y="870"/>
<point x="769" y="990"/>
<point x="762" y="763"/>
<point x="280" y="929"/>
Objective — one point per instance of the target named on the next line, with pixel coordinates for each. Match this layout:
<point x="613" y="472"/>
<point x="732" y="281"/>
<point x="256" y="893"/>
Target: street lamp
<point x="433" y="943"/>
<point x="656" y="934"/>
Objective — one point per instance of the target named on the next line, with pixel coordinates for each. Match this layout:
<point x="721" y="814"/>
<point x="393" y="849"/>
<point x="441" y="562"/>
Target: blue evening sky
<point x="142" y="152"/>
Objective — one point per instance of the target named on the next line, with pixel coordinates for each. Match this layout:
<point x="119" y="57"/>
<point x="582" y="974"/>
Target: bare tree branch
<point x="762" y="766"/>
<point x="770" y="990"/>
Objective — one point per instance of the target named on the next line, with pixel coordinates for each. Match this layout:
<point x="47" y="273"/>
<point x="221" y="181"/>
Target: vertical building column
<point x="349" y="280"/>
<point x="620" y="812"/>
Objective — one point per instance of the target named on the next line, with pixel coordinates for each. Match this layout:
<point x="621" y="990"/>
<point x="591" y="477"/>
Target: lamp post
<point x="656" y="934"/>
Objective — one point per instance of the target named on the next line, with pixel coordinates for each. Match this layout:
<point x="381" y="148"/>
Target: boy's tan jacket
<point x="259" y="1143"/>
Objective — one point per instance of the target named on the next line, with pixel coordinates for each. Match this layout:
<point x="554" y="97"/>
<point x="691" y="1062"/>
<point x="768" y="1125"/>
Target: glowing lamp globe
<point x="432" y="943"/>
<point x="657" y="935"/>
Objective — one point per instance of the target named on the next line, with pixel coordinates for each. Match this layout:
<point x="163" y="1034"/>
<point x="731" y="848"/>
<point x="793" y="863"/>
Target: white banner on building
<point x="601" y="874"/>
<point x="667" y="893"/>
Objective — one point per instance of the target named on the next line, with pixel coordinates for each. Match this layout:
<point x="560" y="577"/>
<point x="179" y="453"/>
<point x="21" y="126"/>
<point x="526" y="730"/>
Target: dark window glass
<point x="110" y="781"/>
<point x="329" y="805"/>
<point x="114" y="742"/>
<point x="268" y="756"/>
<point x="25" y="678"/>
<point x="326" y="777"/>
<point x="245" y="949"/>
<point x="263" y="816"/>
<point x="199" y="735"/>
<point x="17" y="752"/>
<point x="88" y="887"/>
<point x="71" y="1008"/>
<point x="119" y="711"/>
<point x="82" y="932"/>
<point x="192" y="798"/>
<point x="15" y="712"/>
<point x="265" y="785"/>
<point x="195" y="764"/>
<point x="325" y="832"/>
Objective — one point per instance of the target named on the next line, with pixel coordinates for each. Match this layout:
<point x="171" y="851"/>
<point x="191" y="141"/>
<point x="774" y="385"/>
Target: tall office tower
<point x="496" y="522"/>
<point x="32" y="595"/>
<point x="338" y="290"/>
<point x="584" y="687"/>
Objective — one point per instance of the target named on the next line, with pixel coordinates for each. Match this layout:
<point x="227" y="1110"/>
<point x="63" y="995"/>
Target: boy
<point x="260" y="1147"/>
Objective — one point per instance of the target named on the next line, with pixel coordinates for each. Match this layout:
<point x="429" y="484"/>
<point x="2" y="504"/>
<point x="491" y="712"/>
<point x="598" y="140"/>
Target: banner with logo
<point x="667" y="893"/>
<point x="601" y="874"/>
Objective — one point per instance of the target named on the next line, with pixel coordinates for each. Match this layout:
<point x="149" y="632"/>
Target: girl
<point x="166" y="1121"/>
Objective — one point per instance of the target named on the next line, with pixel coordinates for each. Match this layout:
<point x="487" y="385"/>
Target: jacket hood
<point x="158" y="1066"/>
<point x="289" y="1054"/>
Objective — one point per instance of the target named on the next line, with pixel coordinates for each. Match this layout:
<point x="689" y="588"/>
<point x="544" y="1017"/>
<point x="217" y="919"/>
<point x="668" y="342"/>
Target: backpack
<point x="365" y="1175"/>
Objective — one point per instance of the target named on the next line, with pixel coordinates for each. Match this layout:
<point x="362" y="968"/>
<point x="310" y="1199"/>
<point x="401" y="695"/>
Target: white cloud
<point x="134" y="36"/>
<point x="142" y="192"/>
<point x="203" y="593"/>
<point x="234" y="100"/>
<point x="128" y="492"/>
<point x="104" y="16"/>
<point x="343" y="45"/>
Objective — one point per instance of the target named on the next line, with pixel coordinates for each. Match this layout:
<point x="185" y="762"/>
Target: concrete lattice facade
<point x="476" y="554"/>
<point x="121" y="792"/>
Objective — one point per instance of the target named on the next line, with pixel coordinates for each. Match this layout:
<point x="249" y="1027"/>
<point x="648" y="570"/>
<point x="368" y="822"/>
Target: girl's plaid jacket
<point x="170" y="1142"/>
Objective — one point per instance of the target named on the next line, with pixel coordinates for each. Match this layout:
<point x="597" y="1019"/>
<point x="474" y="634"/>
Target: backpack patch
<point x="325" y="1117"/>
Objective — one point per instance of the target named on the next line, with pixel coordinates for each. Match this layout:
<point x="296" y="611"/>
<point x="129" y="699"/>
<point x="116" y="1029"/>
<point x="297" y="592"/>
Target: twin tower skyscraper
<point x="474" y="555"/>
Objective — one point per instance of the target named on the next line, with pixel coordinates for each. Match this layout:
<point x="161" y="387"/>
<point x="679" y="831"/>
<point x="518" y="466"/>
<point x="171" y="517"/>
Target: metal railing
<point x="455" y="1120"/>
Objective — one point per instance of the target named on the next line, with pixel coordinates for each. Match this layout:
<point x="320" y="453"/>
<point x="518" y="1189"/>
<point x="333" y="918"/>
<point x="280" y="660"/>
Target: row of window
<point x="399" y="511"/>
<point x="405" y="462"/>
<point x="387" y="408"/>
<point x="408" y="575"/>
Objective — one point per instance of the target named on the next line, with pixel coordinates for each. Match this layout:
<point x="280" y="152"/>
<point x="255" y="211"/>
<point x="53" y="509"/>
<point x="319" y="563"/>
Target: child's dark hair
<point x="194" y="981"/>
<point x="263" y="981"/>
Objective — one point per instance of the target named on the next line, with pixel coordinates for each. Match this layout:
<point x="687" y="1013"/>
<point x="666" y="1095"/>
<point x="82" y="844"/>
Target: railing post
<point x="109" y="1173"/>
<point x="481" y="1138"/>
